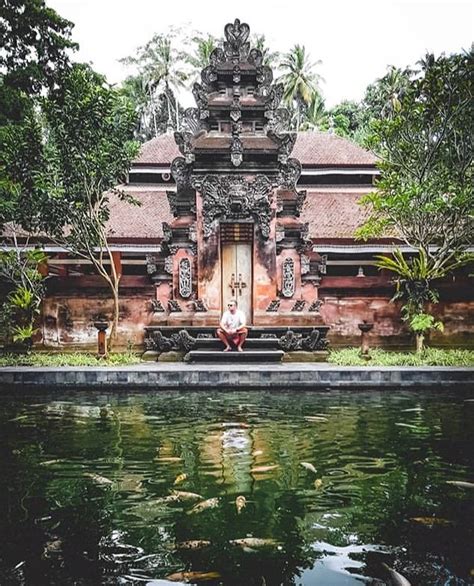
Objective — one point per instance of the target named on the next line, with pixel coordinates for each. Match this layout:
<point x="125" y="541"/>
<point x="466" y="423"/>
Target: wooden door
<point x="237" y="276"/>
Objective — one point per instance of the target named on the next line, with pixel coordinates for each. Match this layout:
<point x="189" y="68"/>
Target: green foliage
<point x="429" y="357"/>
<point x="35" y="40"/>
<point x="300" y="80"/>
<point x="424" y="139"/>
<point x="72" y="359"/>
<point x="20" y="269"/>
<point x="424" y="322"/>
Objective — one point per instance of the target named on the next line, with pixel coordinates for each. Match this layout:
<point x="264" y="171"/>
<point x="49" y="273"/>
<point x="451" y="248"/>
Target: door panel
<point x="237" y="276"/>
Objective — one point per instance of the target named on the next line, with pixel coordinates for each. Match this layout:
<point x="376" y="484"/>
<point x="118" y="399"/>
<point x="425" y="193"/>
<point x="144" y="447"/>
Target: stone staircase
<point x="263" y="344"/>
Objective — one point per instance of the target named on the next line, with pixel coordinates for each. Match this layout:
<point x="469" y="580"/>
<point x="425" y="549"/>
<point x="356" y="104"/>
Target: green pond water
<point x="93" y="488"/>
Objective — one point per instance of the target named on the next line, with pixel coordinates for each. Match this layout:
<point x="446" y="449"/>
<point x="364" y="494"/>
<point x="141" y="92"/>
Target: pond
<point x="236" y="488"/>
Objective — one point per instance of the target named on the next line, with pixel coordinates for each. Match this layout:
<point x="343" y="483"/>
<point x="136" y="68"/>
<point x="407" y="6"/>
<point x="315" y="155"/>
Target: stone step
<point x="250" y="343"/>
<point x="234" y="356"/>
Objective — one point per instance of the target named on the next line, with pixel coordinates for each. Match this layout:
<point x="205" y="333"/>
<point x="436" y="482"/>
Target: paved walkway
<point x="178" y="375"/>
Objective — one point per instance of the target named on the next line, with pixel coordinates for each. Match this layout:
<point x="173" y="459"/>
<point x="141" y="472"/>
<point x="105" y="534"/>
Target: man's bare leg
<point x="223" y="338"/>
<point x="243" y="332"/>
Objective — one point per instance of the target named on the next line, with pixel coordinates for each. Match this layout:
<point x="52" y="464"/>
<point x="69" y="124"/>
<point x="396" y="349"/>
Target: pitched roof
<point x="334" y="213"/>
<point x="141" y="222"/>
<point x="331" y="213"/>
<point x="313" y="149"/>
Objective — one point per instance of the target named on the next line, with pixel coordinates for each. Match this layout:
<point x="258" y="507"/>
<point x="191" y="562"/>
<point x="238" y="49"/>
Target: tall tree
<point x="425" y="190"/>
<point x="299" y="79"/>
<point x="204" y="45"/>
<point x="162" y="68"/>
<point x="315" y="115"/>
<point x="88" y="153"/>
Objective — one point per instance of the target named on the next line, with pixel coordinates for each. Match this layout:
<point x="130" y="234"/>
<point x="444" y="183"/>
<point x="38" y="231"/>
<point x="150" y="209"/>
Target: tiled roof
<point x="139" y="222"/>
<point x="313" y="149"/>
<point x="324" y="149"/>
<point x="334" y="213"/>
<point x="331" y="213"/>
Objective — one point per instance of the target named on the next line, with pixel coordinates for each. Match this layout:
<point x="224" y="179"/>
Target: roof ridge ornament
<point x="236" y="45"/>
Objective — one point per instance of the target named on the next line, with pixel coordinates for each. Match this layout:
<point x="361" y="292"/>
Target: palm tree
<point x="315" y="115"/>
<point x="299" y="79"/>
<point x="260" y="43"/>
<point x="161" y="67"/>
<point x="204" y="46"/>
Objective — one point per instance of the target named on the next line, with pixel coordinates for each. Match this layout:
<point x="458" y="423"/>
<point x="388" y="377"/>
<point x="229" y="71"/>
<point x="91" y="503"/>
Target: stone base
<point x="150" y="356"/>
<point x="303" y="356"/>
<point x="171" y="356"/>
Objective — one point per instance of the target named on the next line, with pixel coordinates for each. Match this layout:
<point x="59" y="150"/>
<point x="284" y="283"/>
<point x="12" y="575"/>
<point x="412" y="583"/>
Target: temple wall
<point x="69" y="312"/>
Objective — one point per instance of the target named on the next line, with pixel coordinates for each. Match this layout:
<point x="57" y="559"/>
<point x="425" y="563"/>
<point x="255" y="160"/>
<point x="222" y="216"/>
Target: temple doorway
<point x="236" y="256"/>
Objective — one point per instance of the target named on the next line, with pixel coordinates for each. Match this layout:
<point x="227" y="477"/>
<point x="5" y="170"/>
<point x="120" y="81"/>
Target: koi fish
<point x="240" y="503"/>
<point x="180" y="478"/>
<point x="193" y="544"/>
<point x="193" y="576"/>
<point x="396" y="578"/>
<point x="98" y="478"/>
<point x="431" y="521"/>
<point x="308" y="466"/>
<point x="258" y="469"/>
<point x="204" y="505"/>
<point x="254" y="542"/>
<point x="460" y="483"/>
<point x="187" y="496"/>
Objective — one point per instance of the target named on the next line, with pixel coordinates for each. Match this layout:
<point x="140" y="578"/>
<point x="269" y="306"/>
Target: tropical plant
<point x="270" y="57"/>
<point x="162" y="69"/>
<point x="300" y="80"/>
<point x="414" y="288"/>
<point x="88" y="153"/>
<point x="315" y="115"/>
<point x="21" y="270"/>
<point x="424" y="195"/>
<point x="204" y="45"/>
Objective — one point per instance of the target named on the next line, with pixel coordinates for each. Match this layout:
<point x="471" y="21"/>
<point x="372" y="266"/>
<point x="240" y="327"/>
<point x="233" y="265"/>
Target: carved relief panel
<point x="288" y="278"/>
<point x="185" y="283"/>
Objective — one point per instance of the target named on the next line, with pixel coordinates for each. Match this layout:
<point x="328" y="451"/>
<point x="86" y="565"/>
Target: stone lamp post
<point x="101" y="326"/>
<point x="365" y="328"/>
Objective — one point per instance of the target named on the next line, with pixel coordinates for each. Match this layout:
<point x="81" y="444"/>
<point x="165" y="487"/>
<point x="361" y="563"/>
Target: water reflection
<point x="236" y="488"/>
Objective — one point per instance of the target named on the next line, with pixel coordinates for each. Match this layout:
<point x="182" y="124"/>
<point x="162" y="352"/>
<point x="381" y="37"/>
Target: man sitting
<point x="232" y="328"/>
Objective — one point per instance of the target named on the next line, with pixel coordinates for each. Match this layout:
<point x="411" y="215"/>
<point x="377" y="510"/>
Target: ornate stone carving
<point x="292" y="341"/>
<point x="255" y="57"/>
<point x="168" y="266"/>
<point x="278" y="120"/>
<point x="200" y="96"/>
<point x="316" y="305"/>
<point x="274" y="98"/>
<point x="236" y="46"/>
<point x="300" y="199"/>
<point x="181" y="172"/>
<point x="314" y="342"/>
<point x="232" y="197"/>
<point x="304" y="243"/>
<point x="179" y="341"/>
<point x="286" y="142"/>
<point x="305" y="264"/>
<point x="151" y="264"/>
<point x="274" y="305"/>
<point x="208" y="78"/>
<point x="184" y="142"/>
<point x="289" y="174"/>
<point x="299" y="305"/>
<point x="192" y="121"/>
<point x="199" y="306"/>
<point x="236" y="151"/>
<point x="288" y="278"/>
<point x="156" y="306"/>
<point x="264" y="80"/>
<point x="173" y="306"/>
<point x="185" y="283"/>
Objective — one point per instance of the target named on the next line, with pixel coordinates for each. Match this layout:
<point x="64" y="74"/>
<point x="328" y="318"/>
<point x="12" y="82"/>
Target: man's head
<point x="232" y="305"/>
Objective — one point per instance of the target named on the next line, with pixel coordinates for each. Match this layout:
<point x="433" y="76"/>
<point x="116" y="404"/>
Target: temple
<point x="236" y="205"/>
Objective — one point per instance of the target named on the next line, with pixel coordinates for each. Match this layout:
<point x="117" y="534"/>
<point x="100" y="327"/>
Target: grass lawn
<point x="68" y="359"/>
<point x="343" y="357"/>
<point x="430" y="357"/>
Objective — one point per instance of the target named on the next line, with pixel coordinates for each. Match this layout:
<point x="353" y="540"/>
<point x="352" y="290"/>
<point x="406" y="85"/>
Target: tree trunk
<point x="419" y="343"/>
<point x="114" y="287"/>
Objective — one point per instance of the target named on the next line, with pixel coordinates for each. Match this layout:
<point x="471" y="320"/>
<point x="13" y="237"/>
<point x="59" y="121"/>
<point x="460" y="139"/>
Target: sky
<point x="355" y="40"/>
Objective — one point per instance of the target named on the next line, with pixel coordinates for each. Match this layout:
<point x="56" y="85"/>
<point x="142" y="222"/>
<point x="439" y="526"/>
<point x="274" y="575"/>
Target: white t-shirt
<point x="233" y="321"/>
